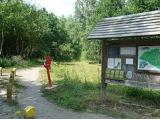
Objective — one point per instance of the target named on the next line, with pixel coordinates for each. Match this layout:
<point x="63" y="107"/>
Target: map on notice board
<point x="149" y="58"/>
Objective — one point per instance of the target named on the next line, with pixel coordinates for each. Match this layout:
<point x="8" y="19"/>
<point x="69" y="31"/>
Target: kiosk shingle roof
<point x="141" y="24"/>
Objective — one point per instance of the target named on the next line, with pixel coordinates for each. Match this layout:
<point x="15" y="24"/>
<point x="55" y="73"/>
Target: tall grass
<point x="143" y="94"/>
<point x="79" y="87"/>
<point x="140" y="94"/>
<point x="81" y="84"/>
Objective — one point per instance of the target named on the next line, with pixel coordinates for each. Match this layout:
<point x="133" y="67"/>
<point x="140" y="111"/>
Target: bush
<point x="17" y="59"/>
<point x="6" y="62"/>
<point x="143" y="94"/>
<point x="19" y="62"/>
<point x="152" y="96"/>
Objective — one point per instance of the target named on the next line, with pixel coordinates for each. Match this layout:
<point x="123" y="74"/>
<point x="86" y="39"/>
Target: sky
<point x="58" y="7"/>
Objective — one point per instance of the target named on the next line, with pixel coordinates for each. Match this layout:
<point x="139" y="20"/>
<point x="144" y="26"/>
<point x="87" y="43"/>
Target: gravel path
<point x="45" y="110"/>
<point x="6" y="112"/>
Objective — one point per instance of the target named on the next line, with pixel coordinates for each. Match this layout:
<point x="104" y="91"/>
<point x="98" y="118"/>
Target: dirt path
<point x="6" y="111"/>
<point x="32" y="96"/>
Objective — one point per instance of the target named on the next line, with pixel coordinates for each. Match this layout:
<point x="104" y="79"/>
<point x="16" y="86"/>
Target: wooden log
<point x="1" y="71"/>
<point x="14" y="71"/>
<point x="9" y="92"/>
<point x="10" y="87"/>
<point x="103" y="67"/>
<point x="11" y="77"/>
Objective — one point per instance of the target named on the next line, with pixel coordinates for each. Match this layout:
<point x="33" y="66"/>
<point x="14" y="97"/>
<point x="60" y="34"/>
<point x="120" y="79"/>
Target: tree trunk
<point x="17" y="45"/>
<point x="2" y="42"/>
<point x="21" y="48"/>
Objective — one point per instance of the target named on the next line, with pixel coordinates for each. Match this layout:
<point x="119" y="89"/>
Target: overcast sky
<point x="58" y="7"/>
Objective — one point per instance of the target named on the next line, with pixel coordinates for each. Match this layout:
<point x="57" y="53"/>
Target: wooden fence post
<point x="1" y="71"/>
<point x="10" y="86"/>
<point x="14" y="71"/>
<point x="103" y="69"/>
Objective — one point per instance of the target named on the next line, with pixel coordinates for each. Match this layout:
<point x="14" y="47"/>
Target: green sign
<point x="149" y="58"/>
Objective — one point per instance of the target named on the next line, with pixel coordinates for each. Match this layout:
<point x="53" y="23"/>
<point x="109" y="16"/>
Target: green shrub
<point x="152" y="96"/>
<point x="6" y="62"/>
<point x="143" y="94"/>
<point x="10" y="62"/>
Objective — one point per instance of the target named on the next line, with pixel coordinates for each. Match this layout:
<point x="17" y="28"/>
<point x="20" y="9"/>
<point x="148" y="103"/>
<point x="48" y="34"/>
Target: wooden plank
<point x="124" y="34"/>
<point x="103" y="67"/>
<point x="126" y="30"/>
<point x="135" y="42"/>
<point x="1" y="71"/>
<point x="10" y="87"/>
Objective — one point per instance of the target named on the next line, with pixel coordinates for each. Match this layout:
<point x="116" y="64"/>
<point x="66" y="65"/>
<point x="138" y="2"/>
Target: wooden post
<point x="12" y="74"/>
<point x="103" y="68"/>
<point x="49" y="78"/>
<point x="9" y="87"/>
<point x="14" y="71"/>
<point x="1" y="71"/>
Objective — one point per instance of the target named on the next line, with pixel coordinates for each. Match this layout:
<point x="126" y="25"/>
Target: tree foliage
<point x="89" y="12"/>
<point x="32" y="32"/>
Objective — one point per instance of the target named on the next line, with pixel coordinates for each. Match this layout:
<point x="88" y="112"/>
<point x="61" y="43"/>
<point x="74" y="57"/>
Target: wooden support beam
<point x="103" y="68"/>
<point x="10" y="87"/>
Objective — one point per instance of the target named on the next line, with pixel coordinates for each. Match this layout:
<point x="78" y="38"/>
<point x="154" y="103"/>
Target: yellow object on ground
<point x="30" y="112"/>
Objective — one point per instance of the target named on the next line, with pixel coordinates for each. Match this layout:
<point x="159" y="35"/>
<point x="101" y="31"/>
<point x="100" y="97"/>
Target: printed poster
<point x="114" y="63"/>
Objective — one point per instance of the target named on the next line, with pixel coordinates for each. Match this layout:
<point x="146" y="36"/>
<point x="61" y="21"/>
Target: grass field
<point x="79" y="89"/>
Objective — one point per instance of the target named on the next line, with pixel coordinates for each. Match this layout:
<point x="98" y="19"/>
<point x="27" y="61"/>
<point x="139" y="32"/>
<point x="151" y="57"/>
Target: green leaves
<point x="31" y="32"/>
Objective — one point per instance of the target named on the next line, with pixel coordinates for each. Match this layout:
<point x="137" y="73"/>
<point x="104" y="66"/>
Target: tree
<point x="73" y="29"/>
<point x="137" y="6"/>
<point x="85" y="14"/>
<point x="31" y="32"/>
